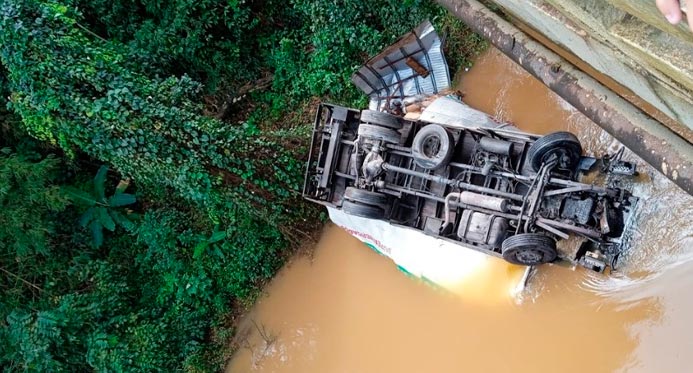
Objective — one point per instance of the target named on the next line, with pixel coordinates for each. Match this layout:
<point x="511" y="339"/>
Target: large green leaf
<point x="200" y="248"/>
<point x="217" y="236"/>
<point x="80" y="196"/>
<point x="122" y="199"/>
<point x="97" y="233"/>
<point x="105" y="219"/>
<point x="100" y="183"/>
<point x="122" y="220"/>
<point x="86" y="217"/>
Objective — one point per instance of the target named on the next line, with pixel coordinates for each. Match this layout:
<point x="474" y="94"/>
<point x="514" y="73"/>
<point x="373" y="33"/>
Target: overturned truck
<point x="455" y="174"/>
<point x="500" y="191"/>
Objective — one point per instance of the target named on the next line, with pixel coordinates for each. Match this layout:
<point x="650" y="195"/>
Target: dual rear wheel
<point x="376" y="125"/>
<point x="364" y="203"/>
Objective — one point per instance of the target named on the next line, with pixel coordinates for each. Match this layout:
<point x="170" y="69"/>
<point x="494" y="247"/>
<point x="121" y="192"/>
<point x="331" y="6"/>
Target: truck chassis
<point x="500" y="191"/>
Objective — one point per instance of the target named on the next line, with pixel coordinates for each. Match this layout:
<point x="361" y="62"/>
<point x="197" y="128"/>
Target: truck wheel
<point x="562" y="144"/>
<point x="375" y="132"/>
<point x="381" y="119"/>
<point x="362" y="210"/>
<point x="432" y="147"/>
<point x="529" y="249"/>
<point x="365" y="196"/>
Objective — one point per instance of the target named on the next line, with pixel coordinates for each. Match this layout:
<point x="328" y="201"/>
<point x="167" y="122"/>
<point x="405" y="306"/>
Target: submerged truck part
<point x="649" y="139"/>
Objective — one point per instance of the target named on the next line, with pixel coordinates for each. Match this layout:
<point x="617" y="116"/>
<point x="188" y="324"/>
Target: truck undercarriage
<point x="497" y="190"/>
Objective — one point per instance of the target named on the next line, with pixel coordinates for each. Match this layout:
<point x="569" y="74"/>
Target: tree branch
<point x="92" y="33"/>
<point x="21" y="279"/>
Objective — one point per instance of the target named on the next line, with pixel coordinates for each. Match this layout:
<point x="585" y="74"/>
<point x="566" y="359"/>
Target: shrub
<point x="149" y="298"/>
<point x="81" y="94"/>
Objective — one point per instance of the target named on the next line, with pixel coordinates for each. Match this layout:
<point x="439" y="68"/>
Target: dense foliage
<point x="94" y="278"/>
<point x="145" y="300"/>
<point x="85" y="96"/>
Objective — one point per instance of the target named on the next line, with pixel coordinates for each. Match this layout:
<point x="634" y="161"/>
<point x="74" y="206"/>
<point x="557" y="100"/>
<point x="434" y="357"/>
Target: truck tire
<point x="381" y="119"/>
<point x="432" y="147"/>
<point x="362" y="210"/>
<point x="365" y="196"/>
<point x="529" y="249"/>
<point x="562" y="144"/>
<point x="376" y="132"/>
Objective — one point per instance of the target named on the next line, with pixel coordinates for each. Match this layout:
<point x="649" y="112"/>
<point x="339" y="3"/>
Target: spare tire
<point x="375" y="132"/>
<point x="529" y="249"/>
<point x="382" y="119"/>
<point x="562" y="144"/>
<point x="365" y="196"/>
<point x="362" y="210"/>
<point x="432" y="147"/>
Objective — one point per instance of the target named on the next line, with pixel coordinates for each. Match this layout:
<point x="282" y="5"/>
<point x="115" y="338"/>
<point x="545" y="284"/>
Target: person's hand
<point x="672" y="12"/>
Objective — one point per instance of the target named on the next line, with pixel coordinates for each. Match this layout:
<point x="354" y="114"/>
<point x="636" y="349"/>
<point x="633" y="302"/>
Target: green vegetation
<point x="101" y="211"/>
<point x="156" y="295"/>
<point x="141" y="264"/>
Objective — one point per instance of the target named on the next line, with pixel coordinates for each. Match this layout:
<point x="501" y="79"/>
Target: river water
<point x="348" y="309"/>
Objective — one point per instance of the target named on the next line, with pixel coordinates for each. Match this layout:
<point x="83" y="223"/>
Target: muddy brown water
<point x="348" y="309"/>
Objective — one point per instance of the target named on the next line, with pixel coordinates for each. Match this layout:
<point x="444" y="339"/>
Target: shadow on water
<point x="350" y="310"/>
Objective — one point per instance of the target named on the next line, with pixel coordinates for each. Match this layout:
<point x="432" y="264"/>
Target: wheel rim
<point x="529" y="249"/>
<point x="529" y="256"/>
<point x="431" y="146"/>
<point x="565" y="157"/>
